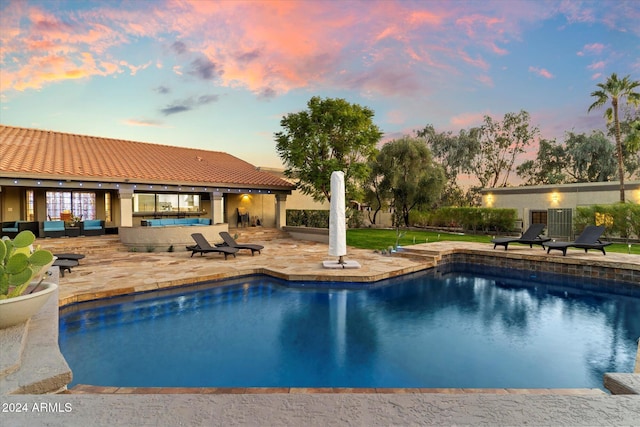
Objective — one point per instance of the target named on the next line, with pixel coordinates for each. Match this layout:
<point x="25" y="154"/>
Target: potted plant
<point x="22" y="271"/>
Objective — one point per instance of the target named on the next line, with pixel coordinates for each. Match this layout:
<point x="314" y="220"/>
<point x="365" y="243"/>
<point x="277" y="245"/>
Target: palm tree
<point x="615" y="90"/>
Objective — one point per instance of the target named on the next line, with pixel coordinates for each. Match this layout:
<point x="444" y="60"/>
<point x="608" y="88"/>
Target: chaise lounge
<point x="203" y="246"/>
<point x="588" y="239"/>
<point x="530" y="237"/>
<point x="231" y="242"/>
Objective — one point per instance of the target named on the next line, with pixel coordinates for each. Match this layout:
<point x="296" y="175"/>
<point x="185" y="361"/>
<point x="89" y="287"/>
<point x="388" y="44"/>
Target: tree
<point x="372" y="194"/>
<point x="630" y="136"/>
<point x="500" y="145"/>
<point x="615" y="90"/>
<point x="410" y="176"/>
<point x="331" y="135"/>
<point x="589" y="158"/>
<point x="547" y="168"/>
<point x="454" y="154"/>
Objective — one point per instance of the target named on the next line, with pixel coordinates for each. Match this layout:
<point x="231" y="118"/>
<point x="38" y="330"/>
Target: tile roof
<point x="44" y="154"/>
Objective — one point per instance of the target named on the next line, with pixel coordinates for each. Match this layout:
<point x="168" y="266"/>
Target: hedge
<point x="468" y="218"/>
<point x="308" y="218"/>
<point x="620" y="219"/>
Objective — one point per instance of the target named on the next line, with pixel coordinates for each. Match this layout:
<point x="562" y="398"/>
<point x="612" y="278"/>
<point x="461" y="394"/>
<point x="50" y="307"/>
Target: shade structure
<point x="337" y="226"/>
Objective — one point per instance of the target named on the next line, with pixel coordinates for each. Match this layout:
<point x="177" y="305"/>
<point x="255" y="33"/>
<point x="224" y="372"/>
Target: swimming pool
<point x="453" y="329"/>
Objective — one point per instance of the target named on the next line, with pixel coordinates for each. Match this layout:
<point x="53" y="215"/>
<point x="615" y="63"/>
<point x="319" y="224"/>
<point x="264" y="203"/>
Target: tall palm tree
<point x="614" y="89"/>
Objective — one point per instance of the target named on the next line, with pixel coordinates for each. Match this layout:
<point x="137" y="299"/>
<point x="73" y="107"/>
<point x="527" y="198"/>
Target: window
<point x="31" y="215"/>
<point x="539" y="217"/>
<point x="84" y="205"/>
<point x="64" y="205"/>
<point x="166" y="203"/>
<point x="58" y="205"/>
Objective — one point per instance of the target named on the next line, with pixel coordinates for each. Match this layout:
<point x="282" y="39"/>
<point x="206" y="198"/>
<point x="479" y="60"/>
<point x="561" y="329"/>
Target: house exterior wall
<point x="526" y="199"/>
<point x="11" y="204"/>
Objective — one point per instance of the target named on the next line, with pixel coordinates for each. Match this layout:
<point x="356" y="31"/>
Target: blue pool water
<point x="427" y="330"/>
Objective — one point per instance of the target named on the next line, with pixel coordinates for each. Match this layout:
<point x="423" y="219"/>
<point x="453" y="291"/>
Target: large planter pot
<point x="14" y="311"/>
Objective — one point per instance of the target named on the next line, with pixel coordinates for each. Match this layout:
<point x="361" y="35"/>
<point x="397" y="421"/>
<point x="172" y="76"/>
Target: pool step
<point x="90" y="245"/>
<point x="418" y="255"/>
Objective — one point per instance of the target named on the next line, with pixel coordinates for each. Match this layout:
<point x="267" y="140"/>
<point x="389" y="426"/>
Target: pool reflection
<point x="428" y="330"/>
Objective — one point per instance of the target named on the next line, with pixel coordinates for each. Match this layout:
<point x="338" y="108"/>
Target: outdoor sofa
<point x="169" y="222"/>
<point x="12" y="228"/>
<point x="53" y="228"/>
<point x="92" y="227"/>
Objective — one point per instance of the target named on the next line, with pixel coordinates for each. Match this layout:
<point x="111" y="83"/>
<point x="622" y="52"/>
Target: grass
<point x="373" y="238"/>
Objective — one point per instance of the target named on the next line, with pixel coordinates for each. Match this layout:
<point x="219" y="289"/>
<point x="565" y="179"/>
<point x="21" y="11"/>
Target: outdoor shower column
<point x="126" y="206"/>
<point x="281" y="210"/>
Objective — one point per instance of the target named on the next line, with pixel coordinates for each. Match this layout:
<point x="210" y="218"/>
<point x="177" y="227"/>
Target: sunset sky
<point x="219" y="75"/>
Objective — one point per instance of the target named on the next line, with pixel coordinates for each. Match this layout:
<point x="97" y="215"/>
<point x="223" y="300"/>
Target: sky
<point x="220" y="75"/>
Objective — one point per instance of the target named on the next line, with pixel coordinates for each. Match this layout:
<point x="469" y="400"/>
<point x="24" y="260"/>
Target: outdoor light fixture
<point x="555" y="197"/>
<point x="489" y="199"/>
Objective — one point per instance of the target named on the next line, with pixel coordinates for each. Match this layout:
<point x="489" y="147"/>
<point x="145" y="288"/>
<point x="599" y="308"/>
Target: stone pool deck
<point x="109" y="270"/>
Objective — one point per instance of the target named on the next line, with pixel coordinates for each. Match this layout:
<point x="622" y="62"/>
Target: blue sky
<point x="220" y="75"/>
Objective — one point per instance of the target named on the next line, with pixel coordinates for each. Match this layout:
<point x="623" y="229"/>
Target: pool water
<point x="428" y="330"/>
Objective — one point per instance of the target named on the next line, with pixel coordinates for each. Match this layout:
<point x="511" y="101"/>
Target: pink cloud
<point x="271" y="47"/>
<point x="591" y="49"/>
<point x="596" y="65"/>
<point x="541" y="72"/>
<point x="485" y="80"/>
<point x="467" y="120"/>
<point x="143" y="123"/>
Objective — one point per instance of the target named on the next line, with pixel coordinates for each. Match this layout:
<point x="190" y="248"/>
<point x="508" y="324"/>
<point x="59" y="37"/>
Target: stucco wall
<point x="544" y="197"/>
<point x="161" y="238"/>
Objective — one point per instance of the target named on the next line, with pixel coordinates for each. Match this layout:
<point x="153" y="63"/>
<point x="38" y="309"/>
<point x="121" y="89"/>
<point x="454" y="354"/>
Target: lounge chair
<point x="202" y="246"/>
<point x="231" y="242"/>
<point x="530" y="237"/>
<point x="588" y="239"/>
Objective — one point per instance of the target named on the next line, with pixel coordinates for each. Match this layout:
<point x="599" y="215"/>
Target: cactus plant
<point x="20" y="264"/>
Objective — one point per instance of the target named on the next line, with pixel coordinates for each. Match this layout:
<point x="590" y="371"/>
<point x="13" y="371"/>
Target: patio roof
<point x="41" y="154"/>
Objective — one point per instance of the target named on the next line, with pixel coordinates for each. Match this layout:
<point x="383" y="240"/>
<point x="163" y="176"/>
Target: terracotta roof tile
<point x="49" y="154"/>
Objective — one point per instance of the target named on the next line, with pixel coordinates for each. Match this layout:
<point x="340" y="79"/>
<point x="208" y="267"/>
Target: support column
<point x="216" y="208"/>
<point x="281" y="210"/>
<point x="126" y="207"/>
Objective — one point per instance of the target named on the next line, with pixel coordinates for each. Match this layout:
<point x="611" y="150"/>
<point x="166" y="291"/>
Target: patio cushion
<point x="54" y="226"/>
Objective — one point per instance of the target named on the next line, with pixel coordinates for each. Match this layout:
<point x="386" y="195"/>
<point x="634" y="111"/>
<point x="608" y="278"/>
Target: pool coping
<point x="91" y="389"/>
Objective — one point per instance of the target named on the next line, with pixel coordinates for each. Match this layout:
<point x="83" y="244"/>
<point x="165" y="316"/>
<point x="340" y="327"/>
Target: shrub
<point x="468" y="218"/>
<point x="308" y="218"/>
<point x="620" y="219"/>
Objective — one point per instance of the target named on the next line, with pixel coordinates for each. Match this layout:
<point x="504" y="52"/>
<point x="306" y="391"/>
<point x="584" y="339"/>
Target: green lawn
<point x="370" y="238"/>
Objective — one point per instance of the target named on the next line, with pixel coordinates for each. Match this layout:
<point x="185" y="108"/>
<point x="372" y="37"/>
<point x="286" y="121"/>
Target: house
<point x="555" y="205"/>
<point x="49" y="176"/>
